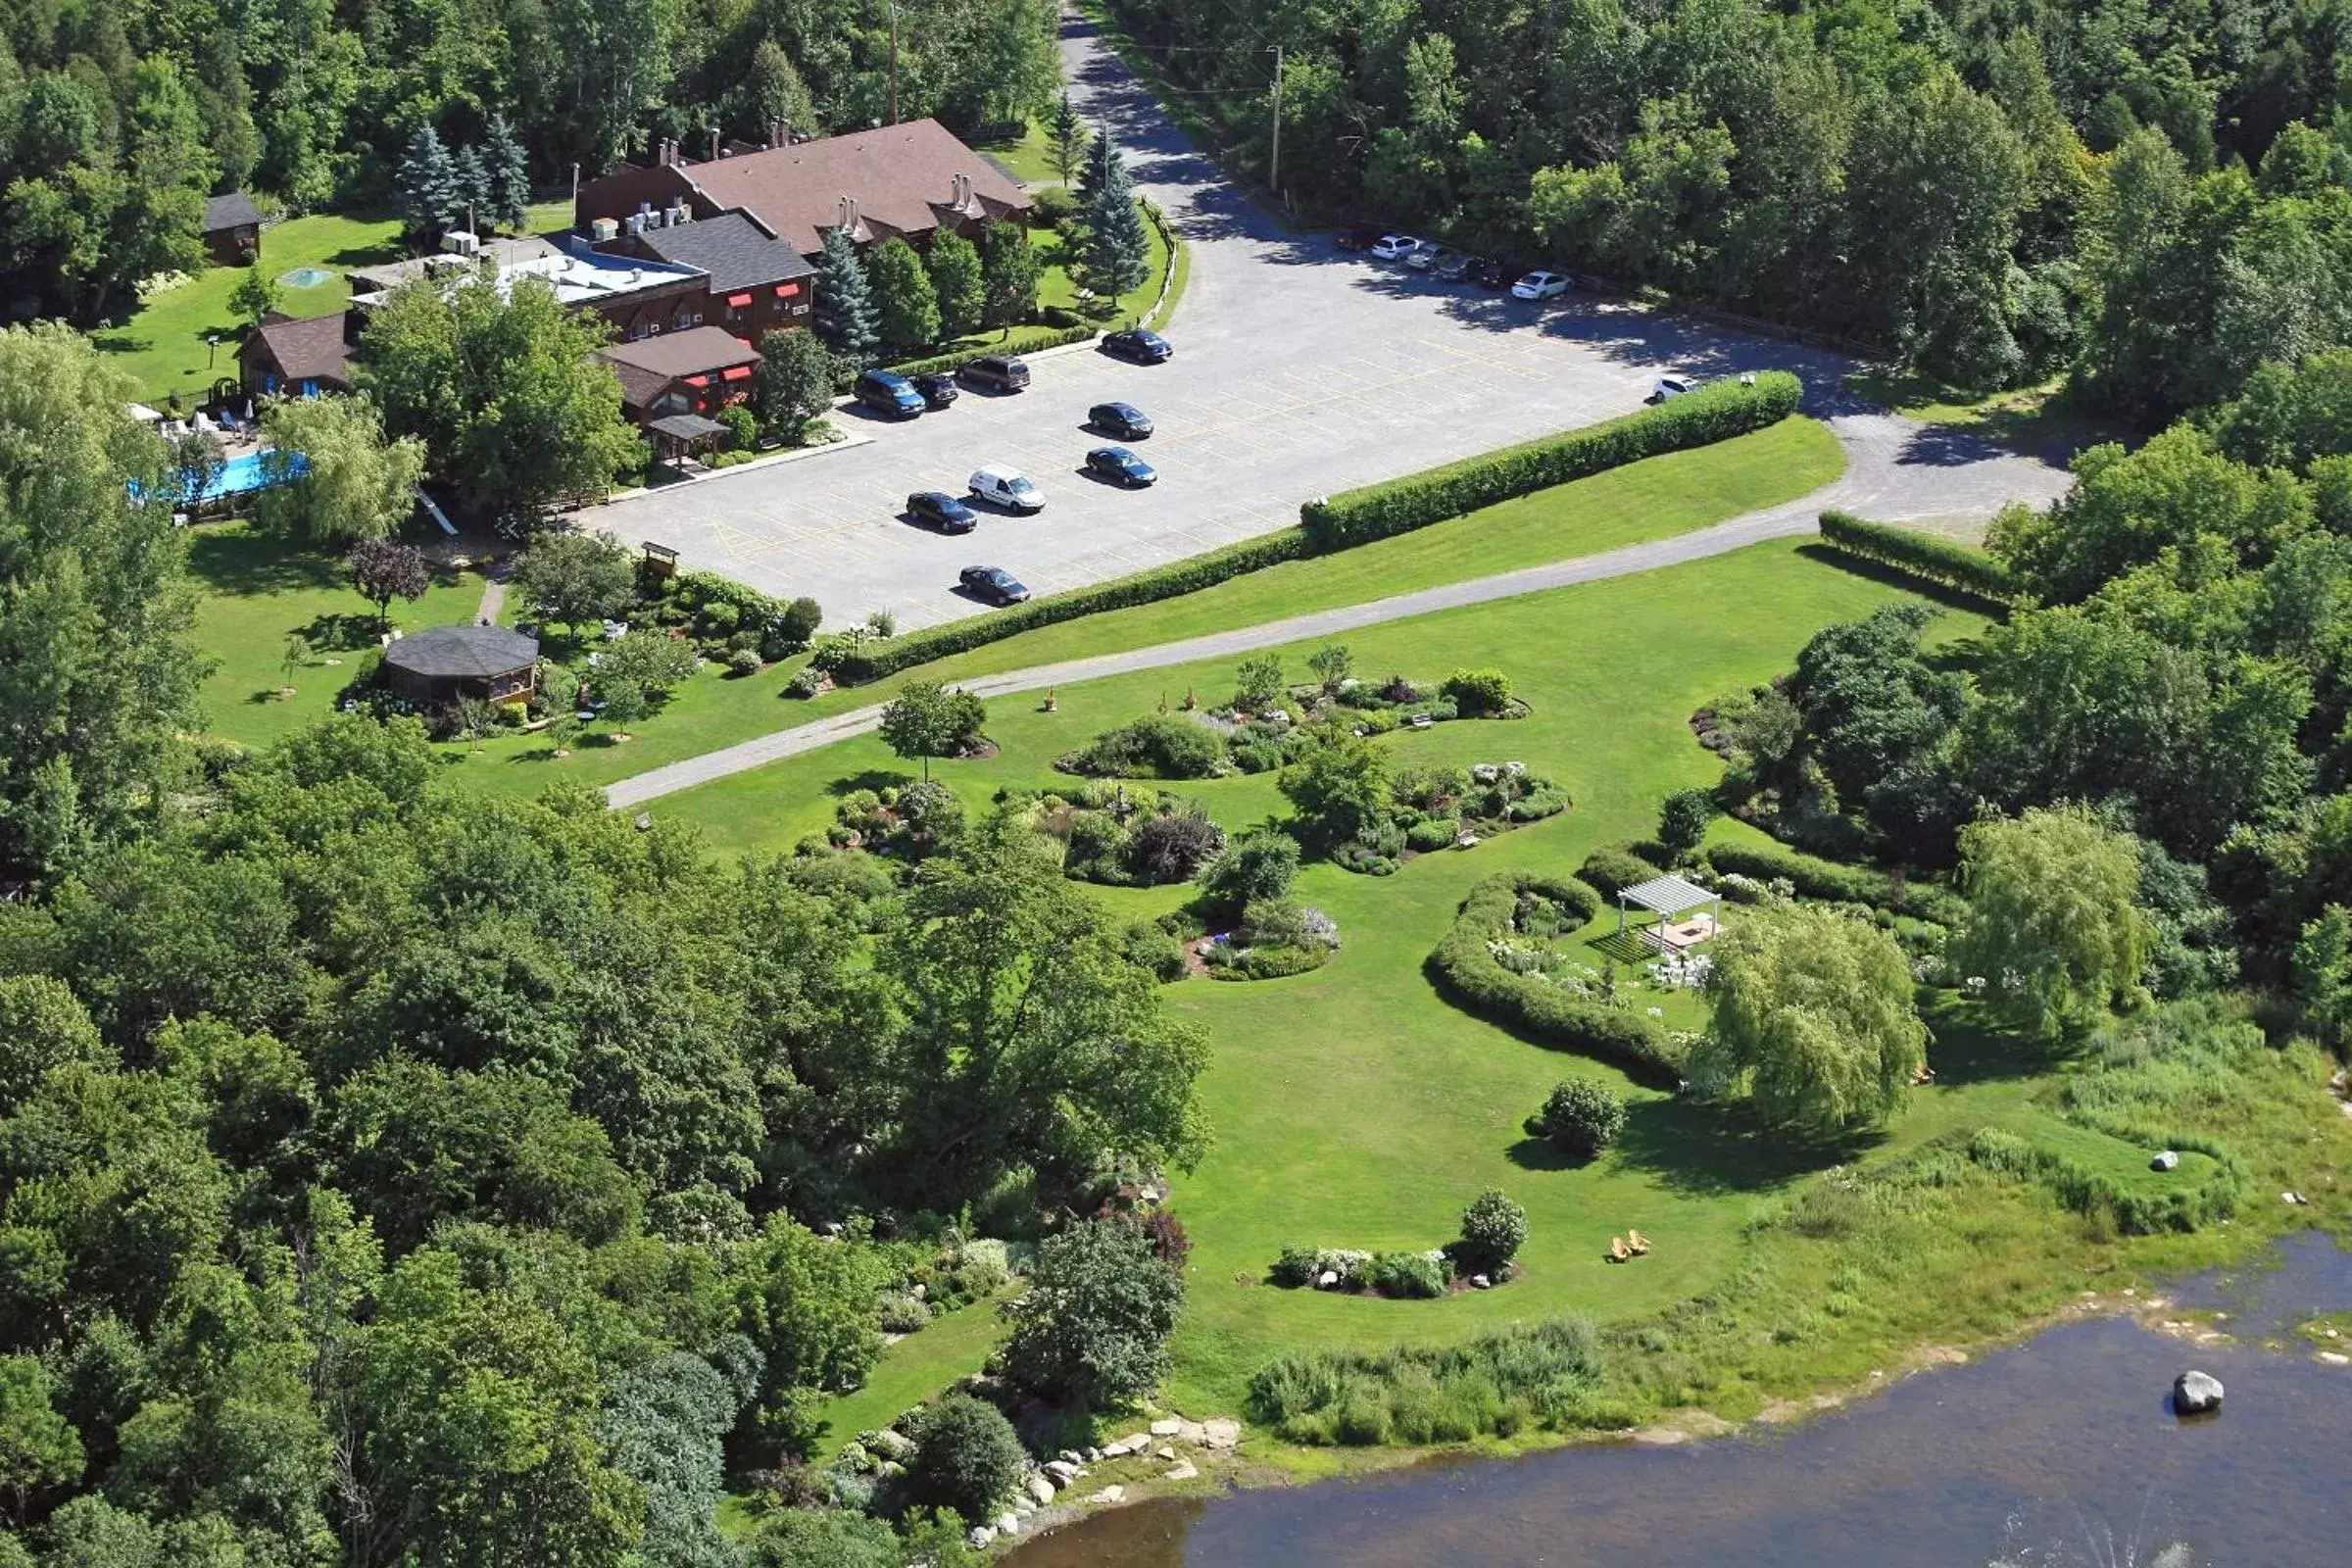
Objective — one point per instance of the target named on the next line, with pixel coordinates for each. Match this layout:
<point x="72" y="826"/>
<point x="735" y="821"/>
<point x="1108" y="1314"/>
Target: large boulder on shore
<point x="2196" y="1392"/>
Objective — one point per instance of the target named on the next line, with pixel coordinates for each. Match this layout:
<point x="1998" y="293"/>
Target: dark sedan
<point x="1122" y="419"/>
<point x="1143" y="346"/>
<point x="1120" y="467"/>
<point x="1454" y="267"/>
<point x="1358" y="237"/>
<point x="939" y="510"/>
<point x="1489" y="273"/>
<point x="937" y="388"/>
<point x="994" y="584"/>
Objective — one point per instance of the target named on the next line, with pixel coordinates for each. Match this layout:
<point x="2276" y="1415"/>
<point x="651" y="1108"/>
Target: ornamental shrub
<point x="1411" y="1275"/>
<point x="1611" y="869"/>
<point x="1255" y="866"/>
<point x="742" y="662"/>
<point x="799" y="623"/>
<point x="1816" y="878"/>
<point x="1580" y="1118"/>
<point x="743" y="427"/>
<point x="967" y="1457"/>
<point x="1478" y="693"/>
<point x="1155" y="745"/>
<point x="1683" y="820"/>
<point x="1093" y="1328"/>
<point x="1494" y="1228"/>
<point x="1431" y="833"/>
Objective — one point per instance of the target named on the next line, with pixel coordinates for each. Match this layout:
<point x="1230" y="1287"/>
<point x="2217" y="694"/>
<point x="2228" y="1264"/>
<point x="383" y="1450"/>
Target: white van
<point x="1009" y="488"/>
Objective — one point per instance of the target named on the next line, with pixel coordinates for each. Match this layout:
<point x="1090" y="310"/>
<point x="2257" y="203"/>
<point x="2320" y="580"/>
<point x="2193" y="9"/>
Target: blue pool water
<point x="306" y="277"/>
<point x="244" y="473"/>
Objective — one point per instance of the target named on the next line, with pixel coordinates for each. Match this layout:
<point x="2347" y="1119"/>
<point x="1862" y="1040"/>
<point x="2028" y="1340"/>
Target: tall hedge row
<point x="1946" y="563"/>
<point x="1465" y="970"/>
<point x="1817" y="878"/>
<point x="1714" y="412"/>
<point x="1189" y="575"/>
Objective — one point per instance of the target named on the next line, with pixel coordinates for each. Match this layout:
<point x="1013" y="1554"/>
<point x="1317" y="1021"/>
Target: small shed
<point x="232" y="229"/>
<point x="446" y="663"/>
<point x="1672" y="898"/>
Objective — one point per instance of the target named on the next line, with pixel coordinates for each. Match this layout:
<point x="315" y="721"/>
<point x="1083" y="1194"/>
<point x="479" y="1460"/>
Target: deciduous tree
<point x="960" y="283"/>
<point x="1093" y="1330"/>
<point x="384" y="569"/>
<point x="331" y="477"/>
<point x="1814" y="1020"/>
<point x="926" y="720"/>
<point x="574" y="575"/>
<point x="907" y="305"/>
<point x="2055" y="927"/>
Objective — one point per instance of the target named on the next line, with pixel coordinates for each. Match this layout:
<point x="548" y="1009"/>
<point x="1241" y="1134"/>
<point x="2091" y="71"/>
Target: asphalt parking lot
<point x="1300" y="371"/>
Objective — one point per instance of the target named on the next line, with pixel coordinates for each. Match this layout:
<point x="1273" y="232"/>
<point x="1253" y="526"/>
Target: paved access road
<point x="1299" y="372"/>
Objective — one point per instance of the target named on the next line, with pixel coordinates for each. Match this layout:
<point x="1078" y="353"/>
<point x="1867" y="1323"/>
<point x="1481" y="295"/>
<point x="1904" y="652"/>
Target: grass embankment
<point x="258" y="592"/>
<point x="1352" y="1107"/>
<point x="1647" y="500"/>
<point x="162" y="345"/>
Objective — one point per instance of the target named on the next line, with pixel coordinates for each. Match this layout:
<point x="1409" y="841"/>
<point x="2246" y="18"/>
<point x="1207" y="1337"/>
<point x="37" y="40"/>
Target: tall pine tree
<point x="846" y="317"/>
<point x="1118" y="252"/>
<point x="507" y="175"/>
<point x="471" y="189"/>
<point x="424" y="190"/>
<point x="1066" y="134"/>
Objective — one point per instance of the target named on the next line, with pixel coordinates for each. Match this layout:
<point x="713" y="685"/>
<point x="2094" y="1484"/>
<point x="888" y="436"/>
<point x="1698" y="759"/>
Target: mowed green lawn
<point x="258" y="592"/>
<point x="162" y="345"/>
<point x="1352" y="1108"/>
<point x="1647" y="500"/>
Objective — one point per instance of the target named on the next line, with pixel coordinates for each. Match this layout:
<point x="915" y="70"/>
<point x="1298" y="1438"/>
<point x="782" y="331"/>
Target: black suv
<point x="994" y="584"/>
<point x="1143" y="346"/>
<point x="1000" y="370"/>
<point x="1122" y="419"/>
<point x="942" y="511"/>
<point x="937" y="387"/>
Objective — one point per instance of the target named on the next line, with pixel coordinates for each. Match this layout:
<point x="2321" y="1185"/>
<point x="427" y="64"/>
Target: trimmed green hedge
<point x="1946" y="563"/>
<point x="1189" y="575"/>
<point x="963" y="357"/>
<point x="1817" y="878"/>
<point x="1465" y="970"/>
<point x="1714" y="412"/>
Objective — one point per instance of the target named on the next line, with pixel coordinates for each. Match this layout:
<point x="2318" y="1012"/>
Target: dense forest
<point x="2152" y="191"/>
<point x="116" y="120"/>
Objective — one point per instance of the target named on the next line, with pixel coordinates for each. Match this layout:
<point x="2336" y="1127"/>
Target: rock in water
<point x="2196" y="1392"/>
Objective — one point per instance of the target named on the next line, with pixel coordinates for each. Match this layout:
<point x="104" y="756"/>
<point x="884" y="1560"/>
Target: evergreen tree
<point x="846" y="317"/>
<point x="471" y="189"/>
<point x="1119" y="253"/>
<point x="1008" y="275"/>
<point x="960" y="283"/>
<point x="507" y="192"/>
<point x="1066" y="135"/>
<point x="424" y="191"/>
<point x="904" y="299"/>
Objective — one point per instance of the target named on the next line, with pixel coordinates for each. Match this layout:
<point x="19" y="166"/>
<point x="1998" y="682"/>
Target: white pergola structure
<point x="1668" y="897"/>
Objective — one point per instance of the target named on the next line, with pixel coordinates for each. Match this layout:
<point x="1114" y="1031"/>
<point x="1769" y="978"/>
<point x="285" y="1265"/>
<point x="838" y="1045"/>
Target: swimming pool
<point x="243" y="475"/>
<point x="306" y="277"/>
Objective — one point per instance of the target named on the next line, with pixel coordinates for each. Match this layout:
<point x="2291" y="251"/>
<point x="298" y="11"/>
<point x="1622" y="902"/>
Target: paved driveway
<point x="1299" y="372"/>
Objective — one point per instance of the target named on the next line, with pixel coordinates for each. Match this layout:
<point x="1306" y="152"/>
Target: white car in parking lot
<point x="1006" y="487"/>
<point x="1397" y="247"/>
<point x="1541" y="287"/>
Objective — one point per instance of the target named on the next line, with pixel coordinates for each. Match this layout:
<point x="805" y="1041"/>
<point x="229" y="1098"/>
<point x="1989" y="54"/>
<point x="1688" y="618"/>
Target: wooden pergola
<point x="678" y="436"/>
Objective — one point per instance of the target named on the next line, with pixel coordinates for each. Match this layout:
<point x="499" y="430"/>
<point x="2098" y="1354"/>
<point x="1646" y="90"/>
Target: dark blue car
<point x="1143" y="346"/>
<point x="1120" y="467"/>
<point x="1122" y="419"/>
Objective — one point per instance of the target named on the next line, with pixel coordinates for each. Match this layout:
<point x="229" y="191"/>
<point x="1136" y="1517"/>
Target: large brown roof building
<point x="908" y="180"/>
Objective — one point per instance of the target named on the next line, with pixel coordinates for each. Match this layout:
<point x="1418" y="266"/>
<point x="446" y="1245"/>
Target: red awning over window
<point x="698" y="381"/>
<point x="739" y="299"/>
<point x="736" y="372"/>
<point x="785" y="291"/>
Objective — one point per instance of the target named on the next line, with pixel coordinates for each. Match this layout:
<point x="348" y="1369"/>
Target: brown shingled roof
<point x="902" y="176"/>
<point x="649" y="364"/>
<point x="309" y="348"/>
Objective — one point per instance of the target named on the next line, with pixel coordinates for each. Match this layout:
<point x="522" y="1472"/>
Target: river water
<point x="2061" y="1452"/>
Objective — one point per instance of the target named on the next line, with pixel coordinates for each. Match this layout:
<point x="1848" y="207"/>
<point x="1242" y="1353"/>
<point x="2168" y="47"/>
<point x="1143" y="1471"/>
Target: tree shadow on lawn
<point x="1541" y="1153"/>
<point x="876" y="779"/>
<point x="246" y="563"/>
<point x="1699" y="1149"/>
<point x="337" y="632"/>
<point x="1969" y="1048"/>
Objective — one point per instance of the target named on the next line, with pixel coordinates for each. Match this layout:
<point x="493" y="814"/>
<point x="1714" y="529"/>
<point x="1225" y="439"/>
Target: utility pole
<point x="894" y="62"/>
<point x="1274" y="171"/>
